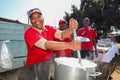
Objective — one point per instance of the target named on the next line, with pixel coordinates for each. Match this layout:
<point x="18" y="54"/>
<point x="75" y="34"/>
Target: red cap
<point x="62" y="21"/>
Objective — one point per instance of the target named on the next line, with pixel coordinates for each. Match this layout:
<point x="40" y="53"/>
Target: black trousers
<point x="87" y="54"/>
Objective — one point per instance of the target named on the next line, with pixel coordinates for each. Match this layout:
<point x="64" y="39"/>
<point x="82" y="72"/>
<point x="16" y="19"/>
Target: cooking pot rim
<point x="74" y="62"/>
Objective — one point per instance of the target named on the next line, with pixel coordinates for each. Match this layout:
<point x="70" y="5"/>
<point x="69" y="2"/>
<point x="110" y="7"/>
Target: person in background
<point x="39" y="39"/>
<point x="88" y="48"/>
<point x="66" y="52"/>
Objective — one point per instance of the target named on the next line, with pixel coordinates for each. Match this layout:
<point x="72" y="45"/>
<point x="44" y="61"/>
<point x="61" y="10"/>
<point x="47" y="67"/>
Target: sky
<point x="52" y="10"/>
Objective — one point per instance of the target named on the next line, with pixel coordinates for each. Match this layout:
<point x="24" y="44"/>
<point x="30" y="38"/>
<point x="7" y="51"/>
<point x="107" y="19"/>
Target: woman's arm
<point x="54" y="45"/>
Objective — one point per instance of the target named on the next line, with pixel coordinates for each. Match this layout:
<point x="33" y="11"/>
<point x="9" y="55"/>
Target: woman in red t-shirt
<point x="40" y="43"/>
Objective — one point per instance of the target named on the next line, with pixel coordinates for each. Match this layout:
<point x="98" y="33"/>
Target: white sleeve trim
<point x="41" y="43"/>
<point x="58" y="34"/>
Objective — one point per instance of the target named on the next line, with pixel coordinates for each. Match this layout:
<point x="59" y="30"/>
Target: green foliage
<point x="103" y="13"/>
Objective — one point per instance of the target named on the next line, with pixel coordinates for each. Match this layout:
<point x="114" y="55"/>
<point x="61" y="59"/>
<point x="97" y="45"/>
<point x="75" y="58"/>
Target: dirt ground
<point x="116" y="73"/>
<point x="24" y="73"/>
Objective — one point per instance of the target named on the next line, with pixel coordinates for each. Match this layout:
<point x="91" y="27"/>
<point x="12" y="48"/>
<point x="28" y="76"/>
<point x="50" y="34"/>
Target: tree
<point x="75" y="14"/>
<point x="102" y="13"/>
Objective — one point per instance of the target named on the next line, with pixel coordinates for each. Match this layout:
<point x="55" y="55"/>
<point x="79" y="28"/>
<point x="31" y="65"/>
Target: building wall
<point x="14" y="32"/>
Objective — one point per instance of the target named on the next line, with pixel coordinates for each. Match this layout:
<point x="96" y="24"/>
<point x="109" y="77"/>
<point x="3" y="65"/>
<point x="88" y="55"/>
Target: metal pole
<point x="78" y="52"/>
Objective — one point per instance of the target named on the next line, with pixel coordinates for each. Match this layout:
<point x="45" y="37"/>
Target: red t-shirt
<point x="89" y="33"/>
<point x="63" y="53"/>
<point x="36" y="55"/>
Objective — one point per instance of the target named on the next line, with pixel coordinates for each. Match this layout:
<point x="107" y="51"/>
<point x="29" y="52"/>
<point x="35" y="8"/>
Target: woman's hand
<point x="73" y="24"/>
<point x="75" y="45"/>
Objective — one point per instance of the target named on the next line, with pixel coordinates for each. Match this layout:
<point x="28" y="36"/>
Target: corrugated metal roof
<point x="12" y="21"/>
<point x="9" y="20"/>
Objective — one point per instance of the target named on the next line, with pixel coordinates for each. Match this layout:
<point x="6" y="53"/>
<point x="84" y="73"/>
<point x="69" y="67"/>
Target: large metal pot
<point x="71" y="69"/>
